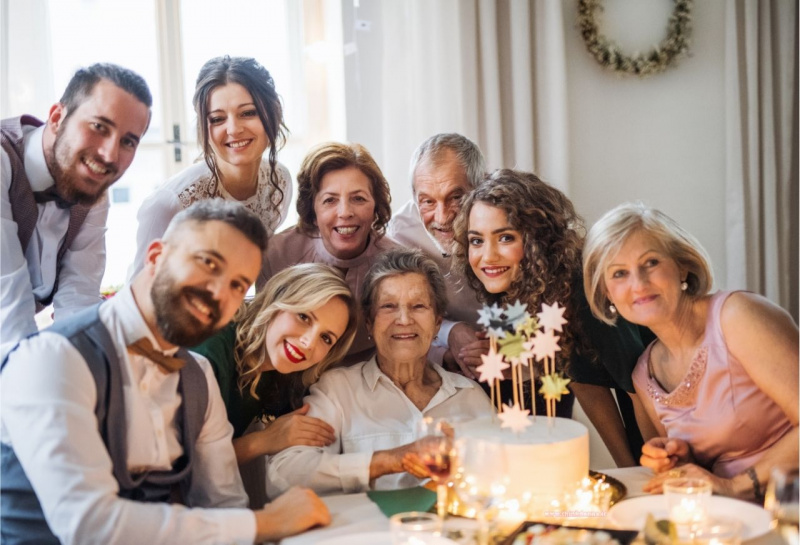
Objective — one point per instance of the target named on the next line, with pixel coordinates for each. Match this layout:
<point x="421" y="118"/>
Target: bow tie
<point x="167" y="364"/>
<point x="51" y="194"/>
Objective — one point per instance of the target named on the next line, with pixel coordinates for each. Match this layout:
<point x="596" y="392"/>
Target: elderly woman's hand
<point x="413" y="465"/>
<point x="296" y="428"/>
<point x="662" y="453"/>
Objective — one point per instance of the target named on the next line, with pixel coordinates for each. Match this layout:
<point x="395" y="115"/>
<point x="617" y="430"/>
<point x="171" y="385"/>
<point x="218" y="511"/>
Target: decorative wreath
<point x="609" y="55"/>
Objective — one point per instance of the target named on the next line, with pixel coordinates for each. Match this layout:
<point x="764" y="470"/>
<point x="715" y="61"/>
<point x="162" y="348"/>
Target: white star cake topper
<point x="552" y="317"/>
<point x="492" y="367"/>
<point x="544" y="345"/>
<point x="515" y="418"/>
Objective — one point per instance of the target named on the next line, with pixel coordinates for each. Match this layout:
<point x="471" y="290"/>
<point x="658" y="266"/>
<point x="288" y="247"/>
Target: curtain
<point x="762" y="149"/>
<point x="493" y="70"/>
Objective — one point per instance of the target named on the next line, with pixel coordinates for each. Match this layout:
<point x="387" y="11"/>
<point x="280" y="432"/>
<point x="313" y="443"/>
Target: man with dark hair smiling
<point x="54" y="208"/>
<point x="107" y="423"/>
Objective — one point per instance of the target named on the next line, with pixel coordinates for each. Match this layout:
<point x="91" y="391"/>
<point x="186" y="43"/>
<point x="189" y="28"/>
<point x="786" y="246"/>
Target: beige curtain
<point x="762" y="149"/>
<point x="493" y="70"/>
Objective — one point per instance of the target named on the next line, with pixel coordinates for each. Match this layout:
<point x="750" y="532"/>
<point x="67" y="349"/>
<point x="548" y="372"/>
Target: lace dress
<point x="196" y="184"/>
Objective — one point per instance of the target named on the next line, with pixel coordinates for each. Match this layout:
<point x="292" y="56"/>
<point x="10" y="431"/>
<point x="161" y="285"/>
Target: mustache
<point x="111" y="167"/>
<point x="206" y="298"/>
<point x="441" y="226"/>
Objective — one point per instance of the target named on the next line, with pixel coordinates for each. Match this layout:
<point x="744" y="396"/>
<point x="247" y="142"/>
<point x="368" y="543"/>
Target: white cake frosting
<point x="544" y="461"/>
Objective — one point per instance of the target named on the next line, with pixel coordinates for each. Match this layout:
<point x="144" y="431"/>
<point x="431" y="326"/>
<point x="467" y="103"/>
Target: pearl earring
<point x="612" y="309"/>
<point x="684" y="285"/>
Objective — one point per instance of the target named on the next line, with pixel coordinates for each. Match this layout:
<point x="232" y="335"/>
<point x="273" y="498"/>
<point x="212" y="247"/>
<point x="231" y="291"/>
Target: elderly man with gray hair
<point x="444" y="168"/>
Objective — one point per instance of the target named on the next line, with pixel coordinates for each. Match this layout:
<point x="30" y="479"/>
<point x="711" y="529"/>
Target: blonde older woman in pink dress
<point x="718" y="388"/>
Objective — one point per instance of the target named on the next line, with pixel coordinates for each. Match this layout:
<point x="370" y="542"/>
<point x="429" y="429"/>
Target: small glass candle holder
<point x="719" y="532"/>
<point x="687" y="504"/>
<point x="413" y="527"/>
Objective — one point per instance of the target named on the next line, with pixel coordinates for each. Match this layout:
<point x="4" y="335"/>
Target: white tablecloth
<point x="355" y="513"/>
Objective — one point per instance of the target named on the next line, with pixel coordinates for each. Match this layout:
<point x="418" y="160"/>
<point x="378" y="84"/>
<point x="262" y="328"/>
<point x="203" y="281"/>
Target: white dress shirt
<point x="368" y="413"/>
<point x="406" y="227"/>
<point x="48" y="399"/>
<point x="33" y="273"/>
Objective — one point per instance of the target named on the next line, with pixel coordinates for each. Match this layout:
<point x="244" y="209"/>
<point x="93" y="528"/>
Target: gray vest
<point x="21" y="518"/>
<point x="20" y="195"/>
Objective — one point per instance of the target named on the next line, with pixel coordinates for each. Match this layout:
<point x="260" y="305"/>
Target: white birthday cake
<point x="545" y="460"/>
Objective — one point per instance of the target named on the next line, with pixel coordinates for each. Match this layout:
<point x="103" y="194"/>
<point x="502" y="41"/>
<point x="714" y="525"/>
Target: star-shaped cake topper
<point x="515" y="418"/>
<point x="487" y="314"/>
<point x="492" y="367"/>
<point x="554" y="386"/>
<point x="544" y="345"/>
<point x="551" y="317"/>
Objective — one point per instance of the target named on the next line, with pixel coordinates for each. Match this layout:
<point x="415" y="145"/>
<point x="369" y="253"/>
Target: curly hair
<point x="552" y="237"/>
<point x="301" y="288"/>
<point x="251" y="75"/>
<point x="328" y="157"/>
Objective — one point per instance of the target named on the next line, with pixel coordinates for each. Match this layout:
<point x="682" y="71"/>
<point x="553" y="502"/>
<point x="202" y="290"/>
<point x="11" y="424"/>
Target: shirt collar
<point x="35" y="166"/>
<point x="130" y="319"/>
<point x="450" y="381"/>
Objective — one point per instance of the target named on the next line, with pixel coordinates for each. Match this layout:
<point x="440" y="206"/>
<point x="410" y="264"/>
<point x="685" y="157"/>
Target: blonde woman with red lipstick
<point x="344" y="205"/>
<point x="240" y="130"/>
<point x="301" y="322"/>
<point x="519" y="238"/>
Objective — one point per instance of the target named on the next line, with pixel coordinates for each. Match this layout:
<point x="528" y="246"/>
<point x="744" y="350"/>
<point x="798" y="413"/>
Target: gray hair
<point x="609" y="234"/>
<point x="401" y="261"/>
<point x="232" y="213"/>
<point x="466" y="151"/>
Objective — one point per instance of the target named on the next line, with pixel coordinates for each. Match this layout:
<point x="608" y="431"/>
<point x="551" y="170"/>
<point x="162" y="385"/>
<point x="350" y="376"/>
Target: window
<point x="167" y="41"/>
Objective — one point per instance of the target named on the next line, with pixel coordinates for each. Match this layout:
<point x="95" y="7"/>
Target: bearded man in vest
<point x="54" y="177"/>
<point x="111" y="432"/>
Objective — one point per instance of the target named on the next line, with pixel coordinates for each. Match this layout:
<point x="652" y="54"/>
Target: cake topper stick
<point x="532" y="370"/>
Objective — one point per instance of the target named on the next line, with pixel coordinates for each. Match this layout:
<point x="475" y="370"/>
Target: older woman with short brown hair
<point x="343" y="204"/>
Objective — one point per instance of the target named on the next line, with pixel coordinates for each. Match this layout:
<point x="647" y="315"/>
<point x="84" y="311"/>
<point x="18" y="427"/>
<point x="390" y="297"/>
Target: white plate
<point x="631" y="514"/>
<point x="379" y="538"/>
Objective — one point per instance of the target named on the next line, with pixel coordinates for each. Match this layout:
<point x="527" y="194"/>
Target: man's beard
<point x="66" y="178"/>
<point x="446" y="251"/>
<point x="176" y="324"/>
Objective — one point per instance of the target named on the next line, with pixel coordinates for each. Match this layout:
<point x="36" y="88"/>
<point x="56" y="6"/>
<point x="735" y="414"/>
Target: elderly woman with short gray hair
<point x="374" y="406"/>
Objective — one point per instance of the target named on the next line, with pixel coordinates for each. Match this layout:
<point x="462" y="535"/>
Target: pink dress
<point x="717" y="408"/>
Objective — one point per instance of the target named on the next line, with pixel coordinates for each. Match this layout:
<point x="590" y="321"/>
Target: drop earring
<point x="612" y="309"/>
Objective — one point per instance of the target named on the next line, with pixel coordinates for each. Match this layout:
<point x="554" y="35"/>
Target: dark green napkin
<point x="392" y="502"/>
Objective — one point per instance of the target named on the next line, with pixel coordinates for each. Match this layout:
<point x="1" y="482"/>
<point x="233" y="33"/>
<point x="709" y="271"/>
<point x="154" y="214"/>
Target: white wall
<point x="660" y="139"/>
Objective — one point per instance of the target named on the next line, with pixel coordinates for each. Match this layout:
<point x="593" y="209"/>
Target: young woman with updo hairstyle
<point x="518" y="238"/>
<point x="240" y="129"/>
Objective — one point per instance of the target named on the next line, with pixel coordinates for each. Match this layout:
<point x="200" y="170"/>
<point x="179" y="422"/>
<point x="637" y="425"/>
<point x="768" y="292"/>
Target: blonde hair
<point x="609" y="234"/>
<point x="301" y="288"/>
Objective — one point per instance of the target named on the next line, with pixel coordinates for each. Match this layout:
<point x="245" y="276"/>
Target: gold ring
<point x="675" y="473"/>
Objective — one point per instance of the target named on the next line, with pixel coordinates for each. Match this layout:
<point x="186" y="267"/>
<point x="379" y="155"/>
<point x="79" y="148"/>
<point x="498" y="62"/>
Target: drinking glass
<point x="435" y="449"/>
<point x="781" y="499"/>
<point x="413" y="528"/>
<point x="687" y="504"/>
<point x="482" y="476"/>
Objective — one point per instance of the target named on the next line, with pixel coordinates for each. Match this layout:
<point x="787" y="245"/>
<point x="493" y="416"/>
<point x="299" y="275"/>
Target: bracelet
<point x="757" y="492"/>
